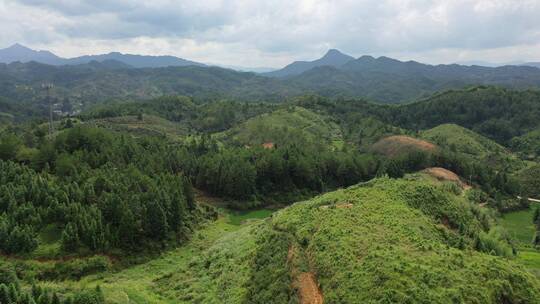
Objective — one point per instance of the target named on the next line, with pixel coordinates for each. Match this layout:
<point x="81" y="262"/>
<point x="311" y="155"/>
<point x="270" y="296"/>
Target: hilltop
<point x="286" y="126"/>
<point x="377" y="241"/>
<point x="472" y="145"/>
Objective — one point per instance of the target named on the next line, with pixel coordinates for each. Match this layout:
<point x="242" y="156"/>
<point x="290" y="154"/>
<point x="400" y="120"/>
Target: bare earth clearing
<point x="446" y="175"/>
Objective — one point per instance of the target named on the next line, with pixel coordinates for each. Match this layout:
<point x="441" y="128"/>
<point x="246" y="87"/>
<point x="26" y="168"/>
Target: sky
<point x="273" y="33"/>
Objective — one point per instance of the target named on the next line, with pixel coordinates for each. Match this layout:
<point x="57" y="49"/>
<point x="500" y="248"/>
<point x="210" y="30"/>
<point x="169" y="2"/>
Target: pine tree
<point x="536" y="216"/>
<point x="55" y="299"/>
<point x="44" y="299"/>
<point x="4" y="294"/>
<point x="157" y="226"/>
<point x="70" y="238"/>
<point x="36" y="291"/>
<point x="13" y="293"/>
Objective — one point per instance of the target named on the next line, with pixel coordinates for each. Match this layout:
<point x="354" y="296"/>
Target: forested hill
<point x="497" y="113"/>
<point x="381" y="80"/>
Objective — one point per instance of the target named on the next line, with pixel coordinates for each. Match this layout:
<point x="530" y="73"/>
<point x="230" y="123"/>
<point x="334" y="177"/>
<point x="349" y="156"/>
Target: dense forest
<point x="122" y="181"/>
<point x="383" y="80"/>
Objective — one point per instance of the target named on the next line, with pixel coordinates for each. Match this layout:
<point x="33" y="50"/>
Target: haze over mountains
<point x="21" y="53"/>
<point x="115" y="75"/>
<point x="332" y="58"/>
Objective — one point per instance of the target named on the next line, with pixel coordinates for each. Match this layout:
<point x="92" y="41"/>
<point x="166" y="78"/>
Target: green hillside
<point x="471" y="144"/>
<point x="400" y="145"/>
<point x="462" y="140"/>
<point x="391" y="241"/>
<point x="286" y="126"/>
<point x="148" y="125"/>
<point x="528" y="145"/>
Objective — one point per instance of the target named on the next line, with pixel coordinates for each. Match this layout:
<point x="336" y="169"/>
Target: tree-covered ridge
<point x="383" y="80"/>
<point x="497" y="113"/>
<point x="212" y="116"/>
<point x="104" y="190"/>
<point x="527" y="145"/>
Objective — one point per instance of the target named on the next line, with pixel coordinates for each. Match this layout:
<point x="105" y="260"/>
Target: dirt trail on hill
<point x="305" y="282"/>
<point x="308" y="289"/>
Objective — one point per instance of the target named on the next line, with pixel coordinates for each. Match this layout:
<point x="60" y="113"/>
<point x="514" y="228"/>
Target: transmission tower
<point x="48" y="87"/>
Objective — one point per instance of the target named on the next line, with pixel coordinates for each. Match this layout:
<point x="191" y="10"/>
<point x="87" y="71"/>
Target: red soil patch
<point x="399" y="144"/>
<point x="305" y="282"/>
<point x="308" y="289"/>
<point x="268" y="145"/>
<point x="446" y="175"/>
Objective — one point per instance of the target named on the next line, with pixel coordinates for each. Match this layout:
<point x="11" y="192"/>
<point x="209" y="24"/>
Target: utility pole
<point x="48" y="87"/>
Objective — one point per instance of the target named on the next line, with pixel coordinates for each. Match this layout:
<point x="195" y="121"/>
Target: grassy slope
<point x="382" y="249"/>
<point x="284" y="126"/>
<point x="398" y="145"/>
<point x="464" y="140"/>
<point x="471" y="144"/>
<point x="520" y="226"/>
<point x="385" y="241"/>
<point x="150" y="125"/>
<point x="138" y="284"/>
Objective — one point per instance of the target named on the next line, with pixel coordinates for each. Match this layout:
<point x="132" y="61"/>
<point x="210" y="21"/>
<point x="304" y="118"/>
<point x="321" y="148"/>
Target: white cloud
<point x="273" y="33"/>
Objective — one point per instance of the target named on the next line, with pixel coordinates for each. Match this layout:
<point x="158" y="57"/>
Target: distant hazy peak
<point x="333" y="57"/>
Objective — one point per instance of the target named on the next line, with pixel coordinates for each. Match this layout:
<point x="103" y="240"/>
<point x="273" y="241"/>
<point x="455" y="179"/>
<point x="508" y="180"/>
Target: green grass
<point x="138" y="284"/>
<point x="391" y="241"/>
<point x="519" y="224"/>
<point x="394" y="241"/>
<point x="150" y="125"/>
<point x="49" y="242"/>
<point x="521" y="228"/>
<point x="285" y="126"/>
<point x="472" y="145"/>
<point x="530" y="258"/>
<point x="239" y="217"/>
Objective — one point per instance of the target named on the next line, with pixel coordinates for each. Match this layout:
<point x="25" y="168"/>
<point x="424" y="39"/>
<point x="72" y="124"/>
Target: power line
<point x="48" y="87"/>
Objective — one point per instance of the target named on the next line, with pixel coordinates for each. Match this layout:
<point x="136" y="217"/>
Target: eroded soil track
<point x="308" y="289"/>
<point x="304" y="282"/>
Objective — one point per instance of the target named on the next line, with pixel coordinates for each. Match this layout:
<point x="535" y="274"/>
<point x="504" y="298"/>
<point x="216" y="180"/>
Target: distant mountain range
<point x="337" y="59"/>
<point x="115" y="75"/>
<point x="23" y="54"/>
<point x="494" y="65"/>
<point x="333" y="58"/>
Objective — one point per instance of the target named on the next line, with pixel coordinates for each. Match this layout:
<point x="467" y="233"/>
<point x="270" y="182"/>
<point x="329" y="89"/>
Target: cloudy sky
<point x="272" y="33"/>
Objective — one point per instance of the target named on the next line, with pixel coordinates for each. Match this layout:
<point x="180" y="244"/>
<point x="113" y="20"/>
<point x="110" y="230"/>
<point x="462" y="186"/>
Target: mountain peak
<point x="333" y="52"/>
<point x="333" y="58"/>
<point x="336" y="54"/>
<point x="18" y="47"/>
